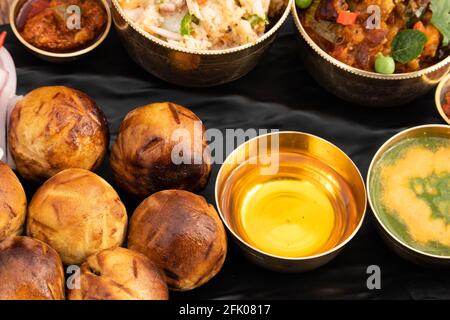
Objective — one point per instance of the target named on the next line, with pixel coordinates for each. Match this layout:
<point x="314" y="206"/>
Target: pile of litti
<point x="176" y="240"/>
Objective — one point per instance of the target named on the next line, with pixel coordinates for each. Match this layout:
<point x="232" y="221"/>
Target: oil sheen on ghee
<point x="303" y="210"/>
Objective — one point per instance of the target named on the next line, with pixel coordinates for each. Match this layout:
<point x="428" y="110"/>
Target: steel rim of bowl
<point x="320" y="255"/>
<point x="360" y="72"/>
<point x="12" y="22"/>
<point x="439" y="90"/>
<point x="375" y="159"/>
<point x="167" y="45"/>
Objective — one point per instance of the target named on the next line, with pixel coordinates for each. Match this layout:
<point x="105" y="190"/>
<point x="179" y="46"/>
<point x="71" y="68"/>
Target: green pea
<point x="303" y="4"/>
<point x="384" y="65"/>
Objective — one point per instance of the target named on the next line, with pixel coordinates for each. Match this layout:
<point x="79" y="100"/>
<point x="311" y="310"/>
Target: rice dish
<point x="204" y="24"/>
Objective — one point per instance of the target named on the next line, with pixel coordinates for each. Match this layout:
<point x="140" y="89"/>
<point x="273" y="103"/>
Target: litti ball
<point x="56" y="128"/>
<point x="78" y="214"/>
<point x="161" y="146"/>
<point x="119" y="274"/>
<point x="13" y="203"/>
<point x="30" y="270"/>
<point x="182" y="234"/>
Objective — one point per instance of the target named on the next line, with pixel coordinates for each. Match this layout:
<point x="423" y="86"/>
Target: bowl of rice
<point x="198" y="43"/>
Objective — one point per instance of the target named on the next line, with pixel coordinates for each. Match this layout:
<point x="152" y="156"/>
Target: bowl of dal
<point x="409" y="193"/>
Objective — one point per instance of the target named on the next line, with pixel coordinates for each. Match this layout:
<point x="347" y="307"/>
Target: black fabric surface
<point x="278" y="94"/>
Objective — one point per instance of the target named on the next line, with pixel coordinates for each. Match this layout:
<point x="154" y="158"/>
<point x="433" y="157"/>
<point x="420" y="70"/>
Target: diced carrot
<point x="2" y="38"/>
<point x="347" y="18"/>
<point x="419" y="26"/>
<point x="202" y="2"/>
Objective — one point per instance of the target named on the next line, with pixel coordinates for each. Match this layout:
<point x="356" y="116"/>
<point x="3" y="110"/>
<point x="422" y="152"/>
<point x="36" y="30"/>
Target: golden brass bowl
<point x="441" y="92"/>
<point x="305" y="144"/>
<point x="52" y="56"/>
<point x="362" y="87"/>
<point x="394" y="242"/>
<point x="191" y="68"/>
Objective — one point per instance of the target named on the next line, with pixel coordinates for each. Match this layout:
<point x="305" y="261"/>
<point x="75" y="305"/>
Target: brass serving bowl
<point x="440" y="97"/>
<point x="393" y="241"/>
<point x="363" y="87"/>
<point x="52" y="56"/>
<point x="191" y="68"/>
<point x="305" y="144"/>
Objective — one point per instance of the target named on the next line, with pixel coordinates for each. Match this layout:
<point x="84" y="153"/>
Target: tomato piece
<point x="419" y="26"/>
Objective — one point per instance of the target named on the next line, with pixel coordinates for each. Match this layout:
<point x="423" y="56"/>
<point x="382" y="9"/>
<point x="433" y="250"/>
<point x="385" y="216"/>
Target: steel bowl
<point x="52" y="56"/>
<point x="302" y="143"/>
<point x="362" y="87"/>
<point x="392" y="240"/>
<point x="440" y="97"/>
<point x="191" y="68"/>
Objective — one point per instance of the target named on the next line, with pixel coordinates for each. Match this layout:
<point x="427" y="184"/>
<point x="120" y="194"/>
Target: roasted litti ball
<point x="30" y="270"/>
<point x="13" y="203"/>
<point x="56" y="128"/>
<point x="78" y="214"/>
<point x="182" y="234"/>
<point x="141" y="157"/>
<point x="120" y="274"/>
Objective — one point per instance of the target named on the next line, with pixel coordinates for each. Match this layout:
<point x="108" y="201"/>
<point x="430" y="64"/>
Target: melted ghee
<point x="305" y="209"/>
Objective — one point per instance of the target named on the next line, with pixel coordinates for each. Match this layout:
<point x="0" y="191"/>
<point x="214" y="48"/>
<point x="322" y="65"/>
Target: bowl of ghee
<point x="291" y="200"/>
<point x="409" y="192"/>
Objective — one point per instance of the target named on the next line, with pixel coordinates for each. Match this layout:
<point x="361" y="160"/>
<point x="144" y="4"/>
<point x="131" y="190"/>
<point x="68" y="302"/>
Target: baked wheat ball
<point x="182" y="234"/>
<point x="161" y="146"/>
<point x="56" y="128"/>
<point x="78" y="214"/>
<point x="30" y="270"/>
<point x="13" y="203"/>
<point x="120" y="274"/>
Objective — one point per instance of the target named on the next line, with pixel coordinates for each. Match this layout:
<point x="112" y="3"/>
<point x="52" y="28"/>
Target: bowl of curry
<point x="375" y="52"/>
<point x="442" y="99"/>
<point x="60" y="30"/>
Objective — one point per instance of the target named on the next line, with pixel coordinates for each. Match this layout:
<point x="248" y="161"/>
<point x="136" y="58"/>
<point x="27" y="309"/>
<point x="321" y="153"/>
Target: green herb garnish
<point x="408" y="45"/>
<point x="441" y="18"/>
<point x="254" y="20"/>
<point x="186" y="28"/>
<point x="435" y="191"/>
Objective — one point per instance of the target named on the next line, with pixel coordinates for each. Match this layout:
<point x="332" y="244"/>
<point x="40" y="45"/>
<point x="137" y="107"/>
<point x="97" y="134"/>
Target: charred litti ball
<point x="78" y="214"/>
<point x="120" y="274"/>
<point x="182" y="234"/>
<point x="13" y="203"/>
<point x="30" y="270"/>
<point x="56" y="128"/>
<point x="142" y="159"/>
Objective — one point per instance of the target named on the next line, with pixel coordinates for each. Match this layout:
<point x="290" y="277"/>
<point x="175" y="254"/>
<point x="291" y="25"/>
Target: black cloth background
<point x="278" y="94"/>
